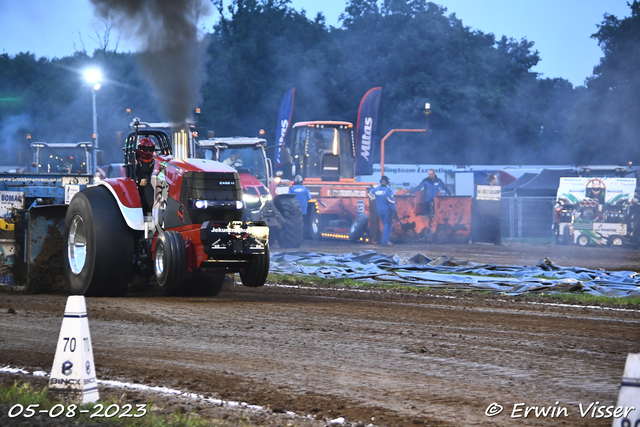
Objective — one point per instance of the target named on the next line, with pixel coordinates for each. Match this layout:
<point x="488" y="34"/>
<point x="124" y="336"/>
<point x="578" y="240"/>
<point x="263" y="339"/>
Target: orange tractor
<point x="323" y="153"/>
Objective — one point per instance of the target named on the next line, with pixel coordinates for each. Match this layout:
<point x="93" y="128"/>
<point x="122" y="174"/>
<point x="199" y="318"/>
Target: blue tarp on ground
<point x="449" y="273"/>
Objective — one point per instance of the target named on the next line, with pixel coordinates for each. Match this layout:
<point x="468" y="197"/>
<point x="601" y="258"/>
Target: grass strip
<point x="559" y="297"/>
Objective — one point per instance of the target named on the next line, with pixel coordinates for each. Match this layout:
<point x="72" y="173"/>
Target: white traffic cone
<point x="73" y="376"/>
<point x="629" y="396"/>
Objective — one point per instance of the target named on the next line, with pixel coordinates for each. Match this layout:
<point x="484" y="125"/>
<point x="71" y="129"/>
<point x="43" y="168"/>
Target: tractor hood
<point x="195" y="165"/>
<point x="207" y="189"/>
<point x="248" y="180"/>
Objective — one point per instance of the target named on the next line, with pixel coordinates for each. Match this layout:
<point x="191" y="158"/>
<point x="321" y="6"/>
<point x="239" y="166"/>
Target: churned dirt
<point x="373" y="357"/>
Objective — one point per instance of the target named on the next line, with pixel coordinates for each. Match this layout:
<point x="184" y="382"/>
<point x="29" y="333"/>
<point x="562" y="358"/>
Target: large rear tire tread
<point x="108" y="267"/>
<point x="292" y="234"/>
<point x="255" y="274"/>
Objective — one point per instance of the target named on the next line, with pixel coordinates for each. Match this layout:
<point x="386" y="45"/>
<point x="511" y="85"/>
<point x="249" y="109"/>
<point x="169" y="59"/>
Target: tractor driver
<point x="316" y="149"/>
<point x="144" y="169"/>
<point x="234" y="160"/>
<point x="596" y="191"/>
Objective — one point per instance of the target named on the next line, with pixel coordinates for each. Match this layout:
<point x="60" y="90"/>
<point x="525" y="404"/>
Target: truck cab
<point x="323" y="150"/>
<point x="281" y="212"/>
<point x="245" y="154"/>
<point x="62" y="158"/>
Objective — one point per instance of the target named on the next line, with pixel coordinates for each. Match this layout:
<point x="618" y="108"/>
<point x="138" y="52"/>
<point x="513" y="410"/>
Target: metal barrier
<point x="527" y="217"/>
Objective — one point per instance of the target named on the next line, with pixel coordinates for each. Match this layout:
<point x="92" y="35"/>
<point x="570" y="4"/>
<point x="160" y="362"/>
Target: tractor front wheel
<point x="169" y="262"/>
<point x="255" y="274"/>
<point x="583" y="240"/>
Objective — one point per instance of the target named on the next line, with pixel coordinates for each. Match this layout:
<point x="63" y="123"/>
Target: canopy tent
<point x="544" y="184"/>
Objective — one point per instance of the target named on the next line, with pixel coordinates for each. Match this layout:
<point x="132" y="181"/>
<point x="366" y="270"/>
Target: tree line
<point x="487" y="105"/>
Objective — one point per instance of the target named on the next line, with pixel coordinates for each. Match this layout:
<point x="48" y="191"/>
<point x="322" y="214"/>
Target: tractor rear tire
<point x="169" y="262"/>
<point x="292" y="233"/>
<point x="255" y="274"/>
<point x="615" y="241"/>
<point x="205" y="284"/>
<point x="98" y="245"/>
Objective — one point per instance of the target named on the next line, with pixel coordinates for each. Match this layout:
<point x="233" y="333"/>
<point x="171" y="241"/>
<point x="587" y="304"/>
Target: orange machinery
<point x="451" y="222"/>
<point x="322" y="152"/>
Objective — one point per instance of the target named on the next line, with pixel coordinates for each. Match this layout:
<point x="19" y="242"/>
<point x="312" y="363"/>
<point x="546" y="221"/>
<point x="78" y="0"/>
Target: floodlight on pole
<point x="94" y="76"/>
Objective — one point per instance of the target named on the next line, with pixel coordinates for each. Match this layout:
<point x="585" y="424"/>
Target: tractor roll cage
<point x="160" y="138"/>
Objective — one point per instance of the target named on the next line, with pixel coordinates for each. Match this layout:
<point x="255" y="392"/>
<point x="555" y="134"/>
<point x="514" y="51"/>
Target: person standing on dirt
<point x="433" y="186"/>
<point x="145" y="156"/>
<point x="386" y="207"/>
<point x="302" y="193"/>
<point x="493" y="221"/>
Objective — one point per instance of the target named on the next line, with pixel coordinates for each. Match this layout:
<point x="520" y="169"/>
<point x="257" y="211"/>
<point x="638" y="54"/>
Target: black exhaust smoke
<point x="169" y="50"/>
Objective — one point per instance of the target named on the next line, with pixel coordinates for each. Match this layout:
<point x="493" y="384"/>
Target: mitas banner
<point x="366" y="131"/>
<point x="284" y="121"/>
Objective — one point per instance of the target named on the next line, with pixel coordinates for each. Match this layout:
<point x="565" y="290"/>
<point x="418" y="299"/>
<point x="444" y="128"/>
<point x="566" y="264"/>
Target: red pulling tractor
<point x="190" y="236"/>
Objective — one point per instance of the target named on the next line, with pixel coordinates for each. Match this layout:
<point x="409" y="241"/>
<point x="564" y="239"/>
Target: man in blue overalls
<point x="386" y="207"/>
<point x="302" y="193"/>
<point x="433" y="186"/>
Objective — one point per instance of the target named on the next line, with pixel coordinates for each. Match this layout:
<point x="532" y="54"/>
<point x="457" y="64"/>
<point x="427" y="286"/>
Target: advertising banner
<point x="605" y="190"/>
<point x="284" y="122"/>
<point x="366" y="131"/>
<point x="10" y="201"/>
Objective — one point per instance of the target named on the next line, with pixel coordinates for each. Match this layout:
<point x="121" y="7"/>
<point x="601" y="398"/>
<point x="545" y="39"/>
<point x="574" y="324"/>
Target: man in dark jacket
<point x="433" y="186"/>
<point x="145" y="157"/>
<point x="386" y="207"/>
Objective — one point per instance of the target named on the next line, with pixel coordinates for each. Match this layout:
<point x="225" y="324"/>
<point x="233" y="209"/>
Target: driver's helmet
<point x="298" y="180"/>
<point x="146" y="148"/>
<point x="596" y="191"/>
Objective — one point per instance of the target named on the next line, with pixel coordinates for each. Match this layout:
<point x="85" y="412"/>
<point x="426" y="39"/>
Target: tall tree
<point x="607" y="116"/>
<point x="256" y="54"/>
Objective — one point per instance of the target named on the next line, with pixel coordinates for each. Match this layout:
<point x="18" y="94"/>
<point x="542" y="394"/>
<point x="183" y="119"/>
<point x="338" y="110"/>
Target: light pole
<point x="94" y="76"/>
<point x="427" y="111"/>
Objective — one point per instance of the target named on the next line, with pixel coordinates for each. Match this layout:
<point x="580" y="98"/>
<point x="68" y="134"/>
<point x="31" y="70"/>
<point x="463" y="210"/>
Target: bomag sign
<point x="10" y="202"/>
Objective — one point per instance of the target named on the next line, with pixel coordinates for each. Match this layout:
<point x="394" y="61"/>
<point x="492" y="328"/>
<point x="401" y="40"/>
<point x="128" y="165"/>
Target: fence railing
<point x="527" y="217"/>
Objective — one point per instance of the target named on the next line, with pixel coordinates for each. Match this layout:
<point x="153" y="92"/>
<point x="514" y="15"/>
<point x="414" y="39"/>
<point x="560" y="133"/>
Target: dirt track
<point x="399" y="358"/>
